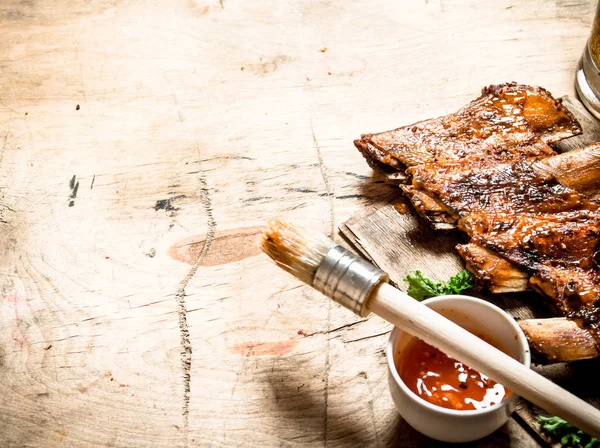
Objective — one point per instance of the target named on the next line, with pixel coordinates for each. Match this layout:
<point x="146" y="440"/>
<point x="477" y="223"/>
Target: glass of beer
<point x="587" y="80"/>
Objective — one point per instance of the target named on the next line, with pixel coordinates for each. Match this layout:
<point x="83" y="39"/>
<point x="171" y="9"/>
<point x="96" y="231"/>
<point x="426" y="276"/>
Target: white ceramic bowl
<point x="449" y="425"/>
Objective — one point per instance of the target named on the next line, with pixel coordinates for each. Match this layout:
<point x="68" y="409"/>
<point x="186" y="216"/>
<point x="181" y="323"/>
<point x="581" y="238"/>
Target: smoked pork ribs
<point x="530" y="215"/>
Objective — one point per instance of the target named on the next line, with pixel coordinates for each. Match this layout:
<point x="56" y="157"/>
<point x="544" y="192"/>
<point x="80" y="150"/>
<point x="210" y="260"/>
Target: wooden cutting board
<point x="394" y="238"/>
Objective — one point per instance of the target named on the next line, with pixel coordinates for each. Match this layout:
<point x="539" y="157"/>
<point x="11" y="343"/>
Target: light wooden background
<point x="142" y="146"/>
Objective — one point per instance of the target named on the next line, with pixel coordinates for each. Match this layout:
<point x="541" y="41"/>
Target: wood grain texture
<point x="128" y="129"/>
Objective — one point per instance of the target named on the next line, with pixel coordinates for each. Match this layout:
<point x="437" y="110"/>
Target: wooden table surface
<point x="142" y="146"/>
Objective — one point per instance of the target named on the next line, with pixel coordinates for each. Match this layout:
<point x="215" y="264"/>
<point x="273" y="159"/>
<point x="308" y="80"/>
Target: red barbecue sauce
<point x="443" y="381"/>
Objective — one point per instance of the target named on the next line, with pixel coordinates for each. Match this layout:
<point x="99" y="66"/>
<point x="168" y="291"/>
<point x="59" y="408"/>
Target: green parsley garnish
<point x="421" y="287"/>
<point x="565" y="433"/>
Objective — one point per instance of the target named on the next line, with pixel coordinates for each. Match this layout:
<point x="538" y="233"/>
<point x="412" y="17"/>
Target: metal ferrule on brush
<point x="347" y="279"/>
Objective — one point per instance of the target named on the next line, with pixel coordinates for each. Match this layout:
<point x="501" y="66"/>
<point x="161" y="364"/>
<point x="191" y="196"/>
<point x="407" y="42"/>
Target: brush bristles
<point x="295" y="249"/>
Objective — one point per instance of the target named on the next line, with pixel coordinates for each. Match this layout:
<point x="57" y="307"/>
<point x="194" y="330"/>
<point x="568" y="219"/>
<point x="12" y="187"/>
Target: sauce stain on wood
<point x="227" y="247"/>
<point x="108" y="374"/>
<point x="20" y="338"/>
<point x="198" y="10"/>
<point x="269" y="65"/>
<point x="275" y="348"/>
<point x="17" y="302"/>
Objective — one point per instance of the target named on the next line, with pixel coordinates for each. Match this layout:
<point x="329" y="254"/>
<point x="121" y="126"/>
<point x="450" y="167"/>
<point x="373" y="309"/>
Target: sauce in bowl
<point x="444" y="381"/>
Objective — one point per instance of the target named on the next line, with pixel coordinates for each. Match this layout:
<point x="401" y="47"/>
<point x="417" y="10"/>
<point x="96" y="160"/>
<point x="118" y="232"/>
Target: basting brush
<point x="361" y="287"/>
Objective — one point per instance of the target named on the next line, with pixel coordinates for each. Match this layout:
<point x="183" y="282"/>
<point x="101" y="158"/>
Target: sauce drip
<point x="444" y="381"/>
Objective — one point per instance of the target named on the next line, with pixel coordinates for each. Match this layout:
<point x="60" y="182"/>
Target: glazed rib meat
<point x="443" y="193"/>
<point x="578" y="169"/>
<point x="560" y="339"/>
<point x="528" y="229"/>
<point x="493" y="272"/>
<point x="507" y="121"/>
<point x="530" y="215"/>
<point x="558" y="249"/>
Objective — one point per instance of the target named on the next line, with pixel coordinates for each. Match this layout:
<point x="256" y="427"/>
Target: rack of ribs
<point x="507" y="121"/>
<point x="530" y="215"/>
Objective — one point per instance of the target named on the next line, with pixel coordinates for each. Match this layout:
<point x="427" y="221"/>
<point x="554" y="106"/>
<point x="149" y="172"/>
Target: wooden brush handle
<point x="419" y="320"/>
